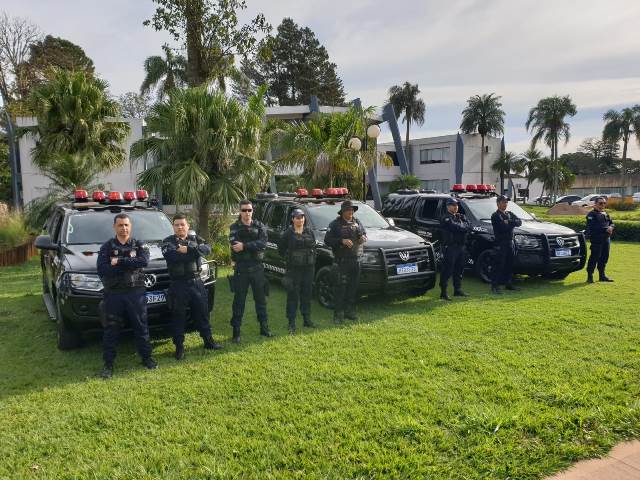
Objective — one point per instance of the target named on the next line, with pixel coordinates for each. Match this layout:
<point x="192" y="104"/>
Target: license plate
<point x="156" y="297"/>
<point x="563" y="252"/>
<point x="407" y="268"/>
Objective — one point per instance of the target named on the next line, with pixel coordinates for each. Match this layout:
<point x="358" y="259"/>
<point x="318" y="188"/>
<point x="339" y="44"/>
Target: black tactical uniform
<point x="503" y="224"/>
<point x="454" y="237"/>
<point x="300" y="253"/>
<point x="124" y="296"/>
<point x="187" y="288"/>
<point x="597" y="232"/>
<point x="347" y="263"/>
<point x="249" y="270"/>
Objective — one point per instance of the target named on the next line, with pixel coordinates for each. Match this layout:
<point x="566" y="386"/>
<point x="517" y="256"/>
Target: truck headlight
<point x="372" y="258"/>
<point x="85" y="281"/>
<point x="527" y="241"/>
<point x="205" y="271"/>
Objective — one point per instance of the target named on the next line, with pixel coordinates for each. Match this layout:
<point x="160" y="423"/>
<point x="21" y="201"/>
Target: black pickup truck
<point x="394" y="260"/>
<point x="542" y="248"/>
<point x="69" y="249"/>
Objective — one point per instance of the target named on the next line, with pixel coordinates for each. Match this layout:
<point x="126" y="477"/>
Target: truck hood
<point x="535" y="227"/>
<point x="84" y="258"/>
<point x="386" y="238"/>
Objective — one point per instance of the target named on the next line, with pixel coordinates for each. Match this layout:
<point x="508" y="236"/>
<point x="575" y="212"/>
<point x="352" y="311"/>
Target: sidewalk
<point x="622" y="463"/>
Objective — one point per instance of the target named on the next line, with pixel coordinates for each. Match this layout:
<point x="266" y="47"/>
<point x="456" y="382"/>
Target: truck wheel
<point x="324" y="286"/>
<point x="67" y="339"/>
<point x="557" y="275"/>
<point x="484" y="265"/>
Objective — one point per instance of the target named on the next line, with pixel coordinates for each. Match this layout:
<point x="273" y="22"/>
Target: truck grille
<point x="402" y="256"/>
<point x="563" y="241"/>
<point x="161" y="279"/>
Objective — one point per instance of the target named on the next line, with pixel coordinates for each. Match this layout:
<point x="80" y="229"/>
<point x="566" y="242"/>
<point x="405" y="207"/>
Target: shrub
<point x="13" y="231"/>
<point x="622" y="204"/>
<point x="402" y="182"/>
<point x="624" y="229"/>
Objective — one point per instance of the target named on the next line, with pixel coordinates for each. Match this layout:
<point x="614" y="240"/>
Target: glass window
<point x="430" y="208"/>
<point x="434" y="155"/>
<point x="276" y="216"/>
<point x="482" y="209"/>
<point x="322" y="215"/>
<point x="97" y="227"/>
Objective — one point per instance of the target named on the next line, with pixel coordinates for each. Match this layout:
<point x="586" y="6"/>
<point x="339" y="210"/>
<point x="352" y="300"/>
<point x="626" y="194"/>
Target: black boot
<point x="236" y="334"/>
<point x="292" y="326"/>
<point x="150" y="363"/>
<point x="495" y="289"/>
<point x="179" y="352"/>
<point x="589" y="277"/>
<point x="264" y="330"/>
<point x="211" y="344"/>
<point x="604" y="278"/>
<point x="308" y="323"/>
<point x="107" y="371"/>
<point x="459" y="293"/>
<point x="444" y="295"/>
<point x="351" y="315"/>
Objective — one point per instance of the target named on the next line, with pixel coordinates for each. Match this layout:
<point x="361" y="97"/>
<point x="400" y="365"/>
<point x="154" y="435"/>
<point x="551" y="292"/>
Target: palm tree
<point x="503" y="165"/>
<point x="547" y="122"/>
<point x="621" y="126"/>
<point x="483" y="115"/>
<point x="405" y="101"/>
<point x="207" y="149"/>
<point x="164" y="73"/>
<point x="529" y="164"/>
<point x="554" y="175"/>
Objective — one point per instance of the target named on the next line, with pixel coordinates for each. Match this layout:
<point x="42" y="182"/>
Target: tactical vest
<point x="454" y="238"/>
<point x="128" y="278"/>
<point x="350" y="231"/>
<point x="247" y="233"/>
<point x="182" y="270"/>
<point x="301" y="249"/>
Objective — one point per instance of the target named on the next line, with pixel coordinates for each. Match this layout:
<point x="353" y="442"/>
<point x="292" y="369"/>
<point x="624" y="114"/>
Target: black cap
<point x="502" y="198"/>
<point x="451" y="201"/>
<point x="347" y="204"/>
<point x="297" y="212"/>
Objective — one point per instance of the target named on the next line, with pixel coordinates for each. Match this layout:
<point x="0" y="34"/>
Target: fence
<point x="19" y="254"/>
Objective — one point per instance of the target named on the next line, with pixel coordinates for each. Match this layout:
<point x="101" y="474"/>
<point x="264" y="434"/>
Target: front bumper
<point x="545" y="261"/>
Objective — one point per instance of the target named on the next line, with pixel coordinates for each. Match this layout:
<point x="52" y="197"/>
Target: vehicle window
<point x="54" y="227"/>
<point x="276" y="215"/>
<point x="482" y="209"/>
<point x="430" y="208"/>
<point x="97" y="227"/>
<point x="322" y="215"/>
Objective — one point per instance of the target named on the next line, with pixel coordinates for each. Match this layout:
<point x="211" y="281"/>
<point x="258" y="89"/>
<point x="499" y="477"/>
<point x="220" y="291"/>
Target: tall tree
<point x="605" y="154"/>
<point x="622" y="125"/>
<point x="504" y="165"/>
<point x="134" y="105"/>
<point x="164" y="73"/>
<point x="483" y="115"/>
<point x="295" y="67"/>
<point x="547" y="122"/>
<point x="208" y="149"/>
<point x="405" y="101"/>
<point x="528" y="164"/>
<point x="210" y="31"/>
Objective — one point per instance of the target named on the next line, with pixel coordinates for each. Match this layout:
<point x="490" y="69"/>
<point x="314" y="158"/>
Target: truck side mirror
<point x="43" y="242"/>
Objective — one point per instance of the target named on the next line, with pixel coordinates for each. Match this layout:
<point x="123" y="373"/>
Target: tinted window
<point x="399" y="206"/>
<point x="322" y="215"/>
<point x="430" y="208"/>
<point x="484" y="208"/>
<point x="54" y="227"/>
<point x="97" y="227"/>
<point x="276" y="216"/>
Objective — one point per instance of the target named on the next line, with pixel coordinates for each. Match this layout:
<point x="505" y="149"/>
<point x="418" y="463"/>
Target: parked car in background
<point x="588" y="200"/>
<point x="568" y="199"/>
<point x="636" y="197"/>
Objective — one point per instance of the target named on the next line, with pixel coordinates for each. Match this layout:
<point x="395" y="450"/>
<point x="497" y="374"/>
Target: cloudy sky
<point x="522" y="50"/>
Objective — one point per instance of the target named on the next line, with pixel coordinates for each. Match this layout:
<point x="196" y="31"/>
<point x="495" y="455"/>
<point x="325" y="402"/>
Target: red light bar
<point x="80" y="195"/>
<point x="331" y="192"/>
<point x="458" y="187"/>
<point x="142" y="194"/>
<point x="115" y="197"/>
<point x="302" y="192"/>
<point x="344" y="191"/>
<point x="492" y="188"/>
<point x="129" y="196"/>
<point x="316" y="192"/>
<point x="471" y="187"/>
<point x="481" y="188"/>
<point x="98" y="196"/>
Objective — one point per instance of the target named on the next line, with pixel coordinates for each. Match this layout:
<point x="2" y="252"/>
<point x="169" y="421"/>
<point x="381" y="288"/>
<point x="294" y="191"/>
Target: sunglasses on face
<point x="601" y="203"/>
<point x="247" y="210"/>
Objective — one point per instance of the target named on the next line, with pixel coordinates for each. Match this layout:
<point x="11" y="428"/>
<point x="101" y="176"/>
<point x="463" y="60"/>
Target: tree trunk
<point x="204" y="209"/>
<point x="501" y="182"/>
<point x="625" y="141"/>
<point x="196" y="71"/>
<point x="482" y="166"/>
<point x="406" y="142"/>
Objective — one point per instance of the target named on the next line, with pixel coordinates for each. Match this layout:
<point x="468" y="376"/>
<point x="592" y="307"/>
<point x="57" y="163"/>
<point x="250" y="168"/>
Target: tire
<point x="324" y="286"/>
<point x="556" y="275"/>
<point x="484" y="265"/>
<point x="67" y="338"/>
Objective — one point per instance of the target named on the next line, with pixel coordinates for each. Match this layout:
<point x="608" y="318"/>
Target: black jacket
<point x="339" y="230"/>
<point x="184" y="265"/>
<point x="454" y="229"/>
<point x="254" y="238"/>
<point x="503" y="224"/>
<point x="133" y="256"/>
<point x="299" y="250"/>
<point x="597" y="225"/>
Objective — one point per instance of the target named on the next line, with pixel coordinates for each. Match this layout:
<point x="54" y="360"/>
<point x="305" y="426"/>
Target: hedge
<point x="625" y="229"/>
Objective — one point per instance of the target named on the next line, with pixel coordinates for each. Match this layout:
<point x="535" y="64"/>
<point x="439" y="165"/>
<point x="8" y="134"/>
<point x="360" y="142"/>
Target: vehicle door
<point x="427" y="220"/>
<point x="275" y="222"/>
<point x="52" y="261"/>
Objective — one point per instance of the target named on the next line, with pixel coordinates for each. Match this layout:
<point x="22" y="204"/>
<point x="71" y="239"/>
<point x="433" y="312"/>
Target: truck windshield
<point x="482" y="209"/>
<point x="97" y="227"/>
<point x="323" y="215"/>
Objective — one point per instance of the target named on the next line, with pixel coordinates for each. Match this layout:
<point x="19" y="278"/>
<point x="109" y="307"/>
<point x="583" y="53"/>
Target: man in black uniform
<point x="346" y="237"/>
<point x="184" y="253"/>
<point x="248" y="239"/>
<point x="503" y="223"/>
<point x="120" y="264"/>
<point x="454" y="236"/>
<point x="599" y="230"/>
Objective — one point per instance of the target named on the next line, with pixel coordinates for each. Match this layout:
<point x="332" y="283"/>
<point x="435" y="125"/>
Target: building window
<point x="440" y="186"/>
<point x="434" y="155"/>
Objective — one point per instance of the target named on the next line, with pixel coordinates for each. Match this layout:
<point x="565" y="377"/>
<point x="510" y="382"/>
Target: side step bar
<point x="51" y="306"/>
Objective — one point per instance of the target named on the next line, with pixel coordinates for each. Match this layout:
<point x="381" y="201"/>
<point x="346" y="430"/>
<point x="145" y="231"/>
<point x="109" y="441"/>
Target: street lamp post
<point x="357" y="145"/>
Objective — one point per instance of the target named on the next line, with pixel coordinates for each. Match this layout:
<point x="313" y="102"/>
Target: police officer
<point x="454" y="235"/>
<point x="503" y="223"/>
<point x="298" y="246"/>
<point x="599" y="230"/>
<point x="346" y="236"/>
<point x="184" y="253"/>
<point x="120" y="264"/>
<point x="248" y="239"/>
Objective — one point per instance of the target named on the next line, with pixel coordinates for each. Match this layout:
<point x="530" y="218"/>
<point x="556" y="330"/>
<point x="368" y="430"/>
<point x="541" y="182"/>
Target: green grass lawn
<point x="511" y="387"/>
